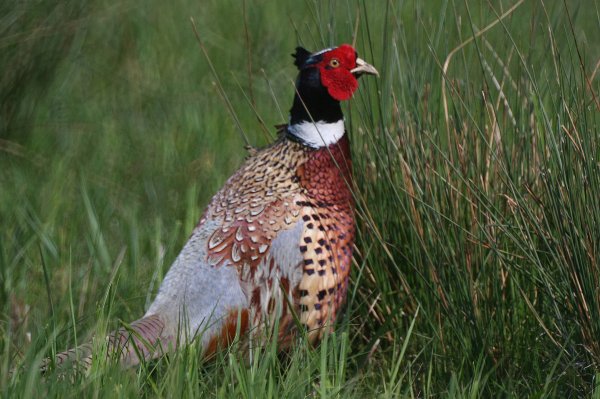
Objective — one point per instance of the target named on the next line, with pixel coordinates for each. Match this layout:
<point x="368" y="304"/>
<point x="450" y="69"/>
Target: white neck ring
<point x="318" y="134"/>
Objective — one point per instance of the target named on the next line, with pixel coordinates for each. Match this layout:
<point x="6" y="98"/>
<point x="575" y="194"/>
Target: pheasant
<point x="273" y="249"/>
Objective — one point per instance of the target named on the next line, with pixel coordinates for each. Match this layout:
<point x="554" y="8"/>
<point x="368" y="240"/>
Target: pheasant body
<point x="284" y="223"/>
<point x="275" y="243"/>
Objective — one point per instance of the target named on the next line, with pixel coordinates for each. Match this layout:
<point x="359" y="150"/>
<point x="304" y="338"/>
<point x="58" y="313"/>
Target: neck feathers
<point x="317" y="134"/>
<point x="316" y="119"/>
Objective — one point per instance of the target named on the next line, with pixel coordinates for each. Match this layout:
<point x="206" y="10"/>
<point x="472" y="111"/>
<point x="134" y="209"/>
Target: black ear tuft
<point x="301" y="55"/>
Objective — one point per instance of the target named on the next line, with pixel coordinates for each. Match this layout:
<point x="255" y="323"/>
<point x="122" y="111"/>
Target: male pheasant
<point x="274" y="246"/>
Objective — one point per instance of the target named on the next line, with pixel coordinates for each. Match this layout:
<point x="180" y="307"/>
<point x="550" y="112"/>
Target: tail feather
<point x="142" y="339"/>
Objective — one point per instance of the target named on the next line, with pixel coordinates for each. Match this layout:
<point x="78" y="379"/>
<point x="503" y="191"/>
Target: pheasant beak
<point x="363" y="68"/>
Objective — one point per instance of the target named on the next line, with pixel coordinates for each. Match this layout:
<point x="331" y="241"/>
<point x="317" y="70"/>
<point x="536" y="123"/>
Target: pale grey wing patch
<point x="279" y="273"/>
<point x="285" y="250"/>
<point x="195" y="298"/>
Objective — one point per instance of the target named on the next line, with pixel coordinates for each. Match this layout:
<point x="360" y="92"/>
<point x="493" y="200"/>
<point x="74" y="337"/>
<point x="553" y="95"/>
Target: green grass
<point x="477" y="169"/>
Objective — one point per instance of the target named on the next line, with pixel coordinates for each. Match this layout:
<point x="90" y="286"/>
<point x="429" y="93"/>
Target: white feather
<point x="318" y="134"/>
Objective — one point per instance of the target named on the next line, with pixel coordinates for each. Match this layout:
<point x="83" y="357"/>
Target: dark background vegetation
<point x="477" y="185"/>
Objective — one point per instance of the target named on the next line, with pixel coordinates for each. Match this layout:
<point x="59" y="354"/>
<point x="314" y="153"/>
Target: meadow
<point x="477" y="183"/>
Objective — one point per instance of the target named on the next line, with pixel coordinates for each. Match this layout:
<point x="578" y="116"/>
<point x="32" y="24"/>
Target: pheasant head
<point x="325" y="78"/>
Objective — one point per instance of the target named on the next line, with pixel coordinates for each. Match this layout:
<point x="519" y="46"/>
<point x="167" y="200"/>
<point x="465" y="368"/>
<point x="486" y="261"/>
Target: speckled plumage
<point x="273" y="248"/>
<point x="283" y="188"/>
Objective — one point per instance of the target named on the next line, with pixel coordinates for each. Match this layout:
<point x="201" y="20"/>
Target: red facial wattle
<point x="335" y="69"/>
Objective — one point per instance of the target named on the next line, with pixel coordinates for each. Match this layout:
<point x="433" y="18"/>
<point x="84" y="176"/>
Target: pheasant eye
<point x="334" y="63"/>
